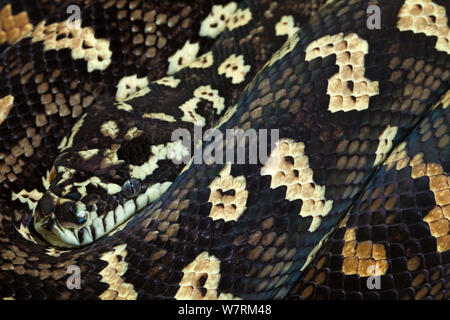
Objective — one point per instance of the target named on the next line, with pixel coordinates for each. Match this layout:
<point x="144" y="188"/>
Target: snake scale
<point x="353" y="201"/>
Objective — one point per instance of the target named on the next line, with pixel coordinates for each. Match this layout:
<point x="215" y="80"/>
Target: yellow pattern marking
<point x="12" y="28"/>
<point x="286" y="26"/>
<point x="29" y="198"/>
<point x="159" y="116"/>
<point x="169" y="81"/>
<point x="234" y="67"/>
<point x="315" y="250"/>
<point x="438" y="218"/>
<point x="240" y="18"/>
<point x="6" y="105"/>
<point x="216" y="22"/>
<point x="385" y="143"/>
<point x="110" y="129"/>
<point x="288" y="165"/>
<point x="112" y="275"/>
<point x="228" y="196"/>
<point x="169" y="151"/>
<point x="88" y="154"/>
<point x="203" y="272"/>
<point x="445" y="100"/>
<point x="363" y="258"/>
<point x="204" y="61"/>
<point x="183" y="57"/>
<point x="81" y="41"/>
<point x="212" y="95"/>
<point x="128" y="86"/>
<point x="350" y="51"/>
<point x="190" y="115"/>
<point x="205" y="93"/>
<point x="227" y="116"/>
<point x="425" y="16"/>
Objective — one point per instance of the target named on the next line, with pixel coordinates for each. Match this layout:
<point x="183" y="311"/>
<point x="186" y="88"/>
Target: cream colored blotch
<point x="240" y="18"/>
<point x="286" y="26"/>
<point x="234" y="67"/>
<point x="425" y="16"/>
<point x="67" y="143"/>
<point x="170" y="81"/>
<point x="227" y="206"/>
<point x="183" y="57"/>
<point x="204" y="61"/>
<point x="29" y="198"/>
<point x="159" y="116"/>
<point x="110" y="129"/>
<point x="350" y="51"/>
<point x="128" y="86"/>
<point x="212" y="95"/>
<point x="216" y="22"/>
<point x="205" y="267"/>
<point x="112" y="275"/>
<point x="169" y="151"/>
<point x="385" y="143"/>
<point x="6" y="105"/>
<point x="81" y="41"/>
<point x="297" y="176"/>
<point x="189" y="113"/>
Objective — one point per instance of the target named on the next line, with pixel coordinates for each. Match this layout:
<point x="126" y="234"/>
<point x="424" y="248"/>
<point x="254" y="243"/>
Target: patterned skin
<point x="136" y="137"/>
<point x="60" y="69"/>
<point x="342" y="97"/>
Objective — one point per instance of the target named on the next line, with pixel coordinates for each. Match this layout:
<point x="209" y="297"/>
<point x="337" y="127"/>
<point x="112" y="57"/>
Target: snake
<point x="351" y="202"/>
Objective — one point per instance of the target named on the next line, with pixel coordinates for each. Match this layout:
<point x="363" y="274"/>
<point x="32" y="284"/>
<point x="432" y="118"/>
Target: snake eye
<point x="80" y="216"/>
<point x="71" y="215"/>
<point x="131" y="188"/>
<point x="82" y="220"/>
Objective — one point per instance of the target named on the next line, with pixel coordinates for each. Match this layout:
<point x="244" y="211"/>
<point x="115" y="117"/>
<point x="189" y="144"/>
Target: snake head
<point x="107" y="172"/>
<point x="58" y="220"/>
<point x="85" y="199"/>
<point x="89" y="198"/>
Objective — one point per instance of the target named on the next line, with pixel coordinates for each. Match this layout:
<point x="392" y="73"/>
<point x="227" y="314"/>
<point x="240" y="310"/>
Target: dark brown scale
<point x="135" y="151"/>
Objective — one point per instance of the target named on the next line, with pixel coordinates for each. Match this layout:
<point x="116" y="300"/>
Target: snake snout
<point x="67" y="212"/>
<point x="60" y="220"/>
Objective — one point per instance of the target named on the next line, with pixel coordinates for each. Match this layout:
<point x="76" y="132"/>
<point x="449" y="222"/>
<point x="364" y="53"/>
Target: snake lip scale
<point x="353" y="201"/>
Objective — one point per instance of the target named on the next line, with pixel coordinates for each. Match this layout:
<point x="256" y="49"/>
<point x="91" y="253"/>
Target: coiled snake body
<point x="356" y="185"/>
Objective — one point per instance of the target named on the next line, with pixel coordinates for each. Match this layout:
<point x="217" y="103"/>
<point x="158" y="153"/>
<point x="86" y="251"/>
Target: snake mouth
<point x="59" y="233"/>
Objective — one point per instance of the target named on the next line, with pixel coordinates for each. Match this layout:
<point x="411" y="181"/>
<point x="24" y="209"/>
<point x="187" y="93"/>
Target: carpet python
<point x="355" y="188"/>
